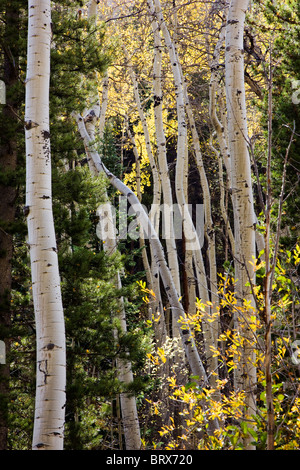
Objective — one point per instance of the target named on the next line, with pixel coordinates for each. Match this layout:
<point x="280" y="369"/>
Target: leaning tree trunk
<point x="106" y="230"/>
<point x="242" y="197"/>
<point x="50" y="331"/>
<point x="176" y="306"/>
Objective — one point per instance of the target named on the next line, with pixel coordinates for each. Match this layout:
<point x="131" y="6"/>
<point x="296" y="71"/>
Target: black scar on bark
<point x="46" y="134"/>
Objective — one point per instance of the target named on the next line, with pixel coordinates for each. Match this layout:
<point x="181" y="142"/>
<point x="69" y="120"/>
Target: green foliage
<point x="89" y="294"/>
<point x="281" y="33"/>
<point x="77" y="54"/>
<point x="91" y="299"/>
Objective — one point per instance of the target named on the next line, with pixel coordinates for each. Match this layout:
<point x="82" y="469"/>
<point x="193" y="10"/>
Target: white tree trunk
<point x="50" y="332"/>
<point x="176" y="307"/>
<point x="154" y="212"/>
<point x="242" y="195"/>
<point x="155" y="307"/>
<point x="214" y="88"/>
<point x="162" y="157"/>
<point x="106" y="231"/>
<point x="191" y="236"/>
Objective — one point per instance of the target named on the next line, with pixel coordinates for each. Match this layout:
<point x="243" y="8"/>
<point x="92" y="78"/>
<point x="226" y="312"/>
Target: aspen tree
<point x="159" y="256"/>
<point x="50" y="331"/>
<point x="106" y="231"/>
<point x="168" y="203"/>
<point x="192" y="239"/>
<point x="242" y="197"/>
<point x="154" y="212"/>
<point x="162" y="155"/>
<point x="151" y="270"/>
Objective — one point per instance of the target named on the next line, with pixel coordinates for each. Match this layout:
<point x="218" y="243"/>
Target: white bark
<point x="191" y="236"/>
<point x="106" y="231"/>
<point x="147" y="267"/>
<point x="211" y="330"/>
<point x="151" y="271"/>
<point x="238" y="139"/>
<point x="176" y="307"/>
<point x="162" y="156"/>
<point x="242" y="195"/>
<point x="154" y="212"/>
<point x="223" y="205"/>
<point x="220" y="126"/>
<point x="214" y="89"/>
<point x="50" y="332"/>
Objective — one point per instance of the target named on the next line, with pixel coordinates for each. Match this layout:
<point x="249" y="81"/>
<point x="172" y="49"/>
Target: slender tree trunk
<point x="242" y="197"/>
<point x="176" y="306"/>
<point x="154" y="212"/>
<point x="191" y="236"/>
<point x="152" y="274"/>
<point x="220" y="127"/>
<point x="162" y="157"/>
<point x="50" y="332"/>
<point x="106" y="231"/>
<point x="214" y="89"/>
<point x="178" y="360"/>
<point x="268" y="281"/>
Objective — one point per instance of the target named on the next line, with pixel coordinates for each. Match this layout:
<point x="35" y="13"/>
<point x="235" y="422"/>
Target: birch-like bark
<point x="50" y="331"/>
<point x="220" y="127"/>
<point x="162" y="157"/>
<point x="107" y="232"/>
<point x="151" y="270"/>
<point x="191" y="236"/>
<point x="242" y="195"/>
<point x="176" y="306"/>
<point x="214" y="88"/>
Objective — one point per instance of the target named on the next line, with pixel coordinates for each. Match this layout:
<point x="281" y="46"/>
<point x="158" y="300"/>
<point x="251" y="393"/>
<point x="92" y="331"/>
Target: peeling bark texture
<point x="51" y="360"/>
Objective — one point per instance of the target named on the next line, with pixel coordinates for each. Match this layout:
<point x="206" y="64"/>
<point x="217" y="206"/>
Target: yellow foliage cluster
<point x="200" y="404"/>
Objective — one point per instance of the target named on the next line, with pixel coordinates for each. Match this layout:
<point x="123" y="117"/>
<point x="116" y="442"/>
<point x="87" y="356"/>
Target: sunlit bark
<point x="191" y="237"/>
<point x="50" y="332"/>
<point x="242" y="197"/>
<point x="175" y="304"/>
